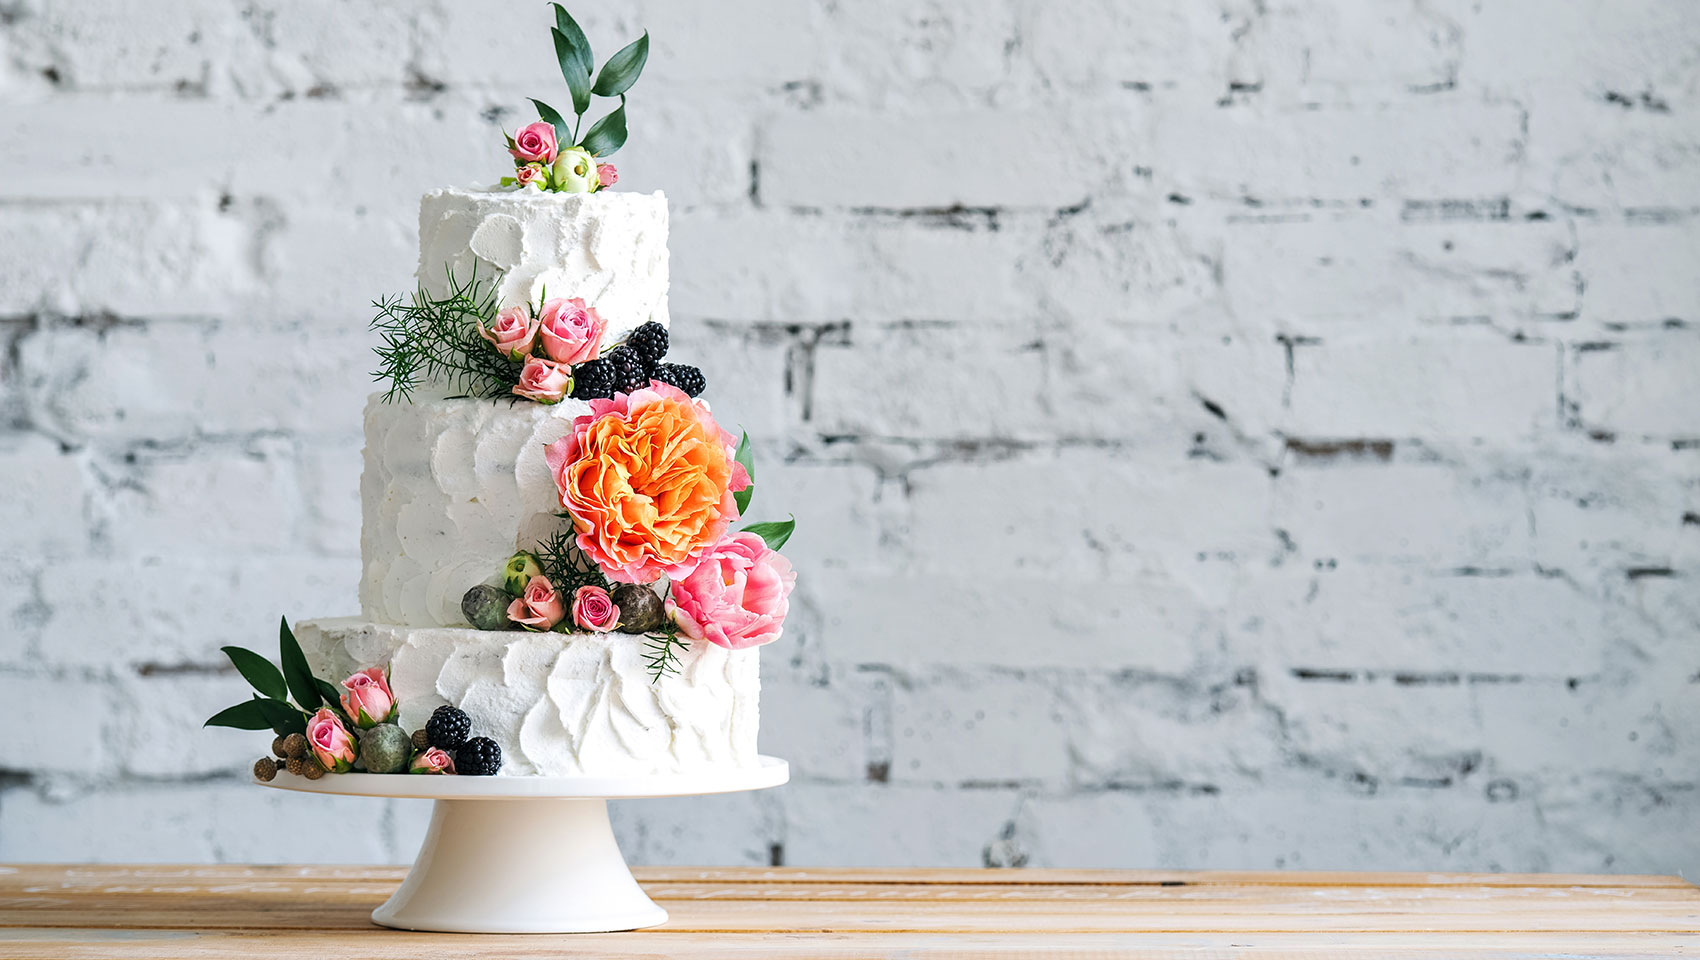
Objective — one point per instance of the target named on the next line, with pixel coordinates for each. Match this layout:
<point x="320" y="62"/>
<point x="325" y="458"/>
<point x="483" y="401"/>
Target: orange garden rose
<point x="648" y="479"/>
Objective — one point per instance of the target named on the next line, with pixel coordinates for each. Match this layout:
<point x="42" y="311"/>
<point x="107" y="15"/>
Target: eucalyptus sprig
<point x="572" y="51"/>
<point x="436" y="338"/>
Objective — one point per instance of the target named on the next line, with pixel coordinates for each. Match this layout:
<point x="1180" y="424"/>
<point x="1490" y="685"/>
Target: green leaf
<point x="607" y="134"/>
<point x="243" y="716"/>
<point x="326" y="690"/>
<point x="743" y="456"/>
<point x="775" y="532"/>
<point x="281" y="717"/>
<point x="572" y="51"/>
<point x="622" y="69"/>
<point x="553" y="117"/>
<point x="295" y="669"/>
<point x="258" y="671"/>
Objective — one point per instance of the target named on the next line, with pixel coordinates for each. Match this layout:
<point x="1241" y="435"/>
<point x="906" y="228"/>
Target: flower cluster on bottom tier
<point x="560" y="704"/>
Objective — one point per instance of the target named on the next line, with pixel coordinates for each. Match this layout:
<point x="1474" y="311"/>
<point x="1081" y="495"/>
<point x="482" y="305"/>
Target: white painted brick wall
<point x="1223" y="434"/>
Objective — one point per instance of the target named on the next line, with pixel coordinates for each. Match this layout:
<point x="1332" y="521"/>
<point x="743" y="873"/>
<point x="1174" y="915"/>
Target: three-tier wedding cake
<point x="556" y="577"/>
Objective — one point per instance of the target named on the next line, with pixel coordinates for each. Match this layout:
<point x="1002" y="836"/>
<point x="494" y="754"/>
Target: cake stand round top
<point x="768" y="772"/>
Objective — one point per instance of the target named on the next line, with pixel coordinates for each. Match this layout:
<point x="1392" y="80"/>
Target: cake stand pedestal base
<point x="513" y="865"/>
<point x="526" y="854"/>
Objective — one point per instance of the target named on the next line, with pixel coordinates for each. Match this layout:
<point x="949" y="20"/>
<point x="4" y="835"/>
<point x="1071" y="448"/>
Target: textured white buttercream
<point x="451" y="489"/>
<point x="607" y="247"/>
<point x="559" y="704"/>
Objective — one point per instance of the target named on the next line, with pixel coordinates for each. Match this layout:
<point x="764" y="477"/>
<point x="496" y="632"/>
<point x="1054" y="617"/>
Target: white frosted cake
<point x="558" y="577"/>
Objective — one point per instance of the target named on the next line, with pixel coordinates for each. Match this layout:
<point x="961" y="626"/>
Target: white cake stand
<point x="525" y="854"/>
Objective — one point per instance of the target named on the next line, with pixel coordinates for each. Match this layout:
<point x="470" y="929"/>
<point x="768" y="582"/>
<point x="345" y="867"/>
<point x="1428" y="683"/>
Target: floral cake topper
<point x="549" y="154"/>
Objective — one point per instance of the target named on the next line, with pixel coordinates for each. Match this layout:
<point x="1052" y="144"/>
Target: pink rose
<point x="594" y="610"/>
<point x="532" y="174"/>
<point x="571" y="331"/>
<point x="737" y="595"/>
<point x="331" y="742"/>
<point x="606" y="175"/>
<point x="367" y="698"/>
<point x="433" y="760"/>
<point x="513" y="333"/>
<point x="543" y="380"/>
<point x="535" y="142"/>
<point x="539" y="607"/>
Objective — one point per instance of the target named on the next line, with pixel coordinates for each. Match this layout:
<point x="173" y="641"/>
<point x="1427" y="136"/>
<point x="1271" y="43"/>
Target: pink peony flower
<point x="736" y="597"/>
<point x="535" y="142"/>
<point x="532" y="175"/>
<point x="513" y="333"/>
<point x="594" y="610"/>
<point x="543" y="380"/>
<point x="433" y="760"/>
<point x="606" y="175"/>
<point x="571" y="331"/>
<point x="331" y="742"/>
<point x="649" y="480"/>
<point x="539" y="607"/>
<point x="367" y="698"/>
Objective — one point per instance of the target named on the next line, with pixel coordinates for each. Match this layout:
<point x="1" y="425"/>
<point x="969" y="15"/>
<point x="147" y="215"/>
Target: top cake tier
<point x="608" y="248"/>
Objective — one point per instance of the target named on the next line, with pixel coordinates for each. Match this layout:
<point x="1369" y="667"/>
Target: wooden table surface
<point x="320" y="912"/>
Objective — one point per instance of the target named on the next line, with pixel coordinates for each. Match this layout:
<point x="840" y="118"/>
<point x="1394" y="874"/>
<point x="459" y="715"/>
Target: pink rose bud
<point x="367" y="698"/>
<point x="433" y="760"/>
<point x="535" y="142"/>
<point x="606" y="175"/>
<point x="513" y="333"/>
<point x="539" y="607"/>
<point x="331" y="742"/>
<point x="543" y="380"/>
<point x="571" y="331"/>
<point x="532" y="175"/>
<point x="594" y="610"/>
<point x="736" y="597"/>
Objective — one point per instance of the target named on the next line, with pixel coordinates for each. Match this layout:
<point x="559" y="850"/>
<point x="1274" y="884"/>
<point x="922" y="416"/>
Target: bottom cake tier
<point x="559" y="704"/>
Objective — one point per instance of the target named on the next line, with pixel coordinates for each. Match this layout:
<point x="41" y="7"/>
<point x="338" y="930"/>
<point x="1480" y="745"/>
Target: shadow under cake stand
<point x="526" y="854"/>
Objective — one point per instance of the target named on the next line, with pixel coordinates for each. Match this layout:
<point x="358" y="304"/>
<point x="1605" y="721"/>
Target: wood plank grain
<point x="288" y="911"/>
<point x="648" y="945"/>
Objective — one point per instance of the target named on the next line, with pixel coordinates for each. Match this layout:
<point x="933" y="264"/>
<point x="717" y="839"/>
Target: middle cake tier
<point x="450" y="489"/>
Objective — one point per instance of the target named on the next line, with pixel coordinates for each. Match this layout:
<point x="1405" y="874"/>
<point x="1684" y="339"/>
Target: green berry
<point x="486" y="607"/>
<point x="385" y="748"/>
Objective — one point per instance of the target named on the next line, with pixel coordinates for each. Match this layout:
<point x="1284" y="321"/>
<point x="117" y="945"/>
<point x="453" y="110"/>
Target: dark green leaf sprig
<point x="773" y="532"/>
<point x="270" y="708"/>
<point x="661" y="653"/>
<point x="572" y="51"/>
<point x="436" y="338"/>
<point x="567" y="567"/>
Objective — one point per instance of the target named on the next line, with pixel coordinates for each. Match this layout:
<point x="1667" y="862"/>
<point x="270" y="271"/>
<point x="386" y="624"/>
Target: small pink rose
<point x="539" y="607"/>
<point x="571" y="331"/>
<point x="532" y="174"/>
<point x="513" y="333"/>
<point x="331" y="742"/>
<point x="736" y="597"/>
<point x="535" y="142"/>
<point x="594" y="610"/>
<point x="543" y="380"/>
<point x="606" y="175"/>
<point x="432" y="760"/>
<point x="367" y="698"/>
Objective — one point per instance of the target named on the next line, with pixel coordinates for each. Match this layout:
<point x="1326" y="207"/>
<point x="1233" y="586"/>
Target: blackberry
<point x="448" y="727"/>
<point x="630" y="372"/>
<point x="478" y="757"/>
<point x="649" y="342"/>
<point x="593" y="380"/>
<point x="686" y="378"/>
